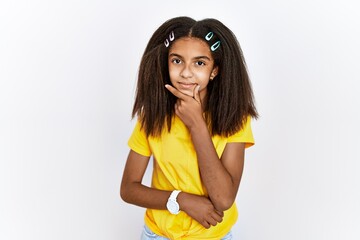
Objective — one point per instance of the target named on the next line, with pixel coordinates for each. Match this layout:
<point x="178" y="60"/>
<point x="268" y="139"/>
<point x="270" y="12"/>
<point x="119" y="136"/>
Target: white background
<point x="67" y="80"/>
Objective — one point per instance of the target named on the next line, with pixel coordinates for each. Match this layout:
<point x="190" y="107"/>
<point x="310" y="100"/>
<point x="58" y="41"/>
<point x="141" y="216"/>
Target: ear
<point x="214" y="72"/>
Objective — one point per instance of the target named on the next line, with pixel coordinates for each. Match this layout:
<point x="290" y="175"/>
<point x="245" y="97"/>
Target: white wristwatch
<point x="172" y="205"/>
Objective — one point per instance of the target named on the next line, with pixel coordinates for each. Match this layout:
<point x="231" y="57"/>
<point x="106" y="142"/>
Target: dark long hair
<point x="229" y="96"/>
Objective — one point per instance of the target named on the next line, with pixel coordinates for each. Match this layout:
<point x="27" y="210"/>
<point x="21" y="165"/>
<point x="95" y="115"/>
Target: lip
<point x="185" y="85"/>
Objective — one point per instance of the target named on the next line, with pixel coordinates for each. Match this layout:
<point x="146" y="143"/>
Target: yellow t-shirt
<point x="176" y="168"/>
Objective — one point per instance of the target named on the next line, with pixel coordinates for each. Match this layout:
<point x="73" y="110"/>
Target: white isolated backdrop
<point x="67" y="82"/>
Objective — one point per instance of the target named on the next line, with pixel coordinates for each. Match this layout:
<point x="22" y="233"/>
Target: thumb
<point x="197" y="94"/>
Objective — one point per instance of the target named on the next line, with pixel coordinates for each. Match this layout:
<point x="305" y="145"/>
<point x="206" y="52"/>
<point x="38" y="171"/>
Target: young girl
<point x="194" y="104"/>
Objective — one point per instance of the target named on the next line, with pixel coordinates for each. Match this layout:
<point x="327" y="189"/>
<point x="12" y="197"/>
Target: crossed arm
<point x="221" y="177"/>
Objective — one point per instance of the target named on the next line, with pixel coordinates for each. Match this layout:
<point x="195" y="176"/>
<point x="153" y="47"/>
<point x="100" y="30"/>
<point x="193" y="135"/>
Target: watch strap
<point x="174" y="195"/>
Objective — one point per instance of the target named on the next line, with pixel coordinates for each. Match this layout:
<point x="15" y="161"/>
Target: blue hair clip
<point x="215" y="46"/>
<point x="208" y="37"/>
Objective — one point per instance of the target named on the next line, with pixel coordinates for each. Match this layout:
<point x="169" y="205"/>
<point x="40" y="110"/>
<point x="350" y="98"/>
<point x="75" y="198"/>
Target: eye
<point x="176" y="61"/>
<point x="200" y="63"/>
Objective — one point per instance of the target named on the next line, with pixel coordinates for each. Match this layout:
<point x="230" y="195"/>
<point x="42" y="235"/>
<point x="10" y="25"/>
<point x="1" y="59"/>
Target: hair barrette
<point x="171" y="38"/>
<point x="215" y="46"/>
<point x="208" y="37"/>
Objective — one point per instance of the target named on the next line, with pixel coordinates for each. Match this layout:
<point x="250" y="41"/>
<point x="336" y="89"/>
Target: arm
<point x="221" y="177"/>
<point x="133" y="191"/>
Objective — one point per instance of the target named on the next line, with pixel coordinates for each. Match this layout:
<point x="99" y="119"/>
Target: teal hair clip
<point x="208" y="37"/>
<point x="215" y="46"/>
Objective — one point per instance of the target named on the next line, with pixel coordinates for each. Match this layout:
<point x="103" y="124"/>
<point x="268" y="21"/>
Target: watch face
<point x="173" y="207"/>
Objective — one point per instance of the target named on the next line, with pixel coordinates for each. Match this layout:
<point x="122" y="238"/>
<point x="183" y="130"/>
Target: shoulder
<point x="138" y="140"/>
<point x="244" y="135"/>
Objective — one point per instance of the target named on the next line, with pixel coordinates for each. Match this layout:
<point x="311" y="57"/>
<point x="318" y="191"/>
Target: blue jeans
<point x="147" y="234"/>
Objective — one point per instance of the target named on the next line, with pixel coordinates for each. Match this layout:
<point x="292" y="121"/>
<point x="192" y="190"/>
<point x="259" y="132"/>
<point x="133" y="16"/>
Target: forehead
<point x="190" y="46"/>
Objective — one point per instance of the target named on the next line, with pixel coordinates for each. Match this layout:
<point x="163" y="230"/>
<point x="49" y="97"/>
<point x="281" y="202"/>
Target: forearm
<point x="217" y="180"/>
<point x="143" y="196"/>
<point x="195" y="206"/>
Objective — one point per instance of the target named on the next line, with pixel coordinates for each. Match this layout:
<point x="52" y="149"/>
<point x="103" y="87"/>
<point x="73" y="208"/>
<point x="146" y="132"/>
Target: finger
<point x="197" y="93"/>
<point x="205" y="224"/>
<point x="217" y="217"/>
<point x="175" y="92"/>
<point x="220" y="213"/>
<point x="212" y="221"/>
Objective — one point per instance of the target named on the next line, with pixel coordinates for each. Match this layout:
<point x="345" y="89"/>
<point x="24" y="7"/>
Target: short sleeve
<point x="138" y="141"/>
<point x="245" y="135"/>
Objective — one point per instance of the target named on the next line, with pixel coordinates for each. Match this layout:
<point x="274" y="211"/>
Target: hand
<point x="189" y="109"/>
<point x="200" y="209"/>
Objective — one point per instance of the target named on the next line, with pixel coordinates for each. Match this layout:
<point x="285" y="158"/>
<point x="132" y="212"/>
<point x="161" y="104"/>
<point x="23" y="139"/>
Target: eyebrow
<point x="195" y="58"/>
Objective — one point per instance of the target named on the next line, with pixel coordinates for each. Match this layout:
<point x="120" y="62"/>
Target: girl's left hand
<point x="189" y="109"/>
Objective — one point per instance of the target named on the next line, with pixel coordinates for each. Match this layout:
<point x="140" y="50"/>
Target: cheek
<point x="172" y="77"/>
<point x="203" y="77"/>
<point x="171" y="73"/>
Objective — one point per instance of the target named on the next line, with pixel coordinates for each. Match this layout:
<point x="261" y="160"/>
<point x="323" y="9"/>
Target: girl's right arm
<point x="134" y="192"/>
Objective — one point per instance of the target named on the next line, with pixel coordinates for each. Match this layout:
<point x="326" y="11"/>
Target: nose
<point x="186" y="72"/>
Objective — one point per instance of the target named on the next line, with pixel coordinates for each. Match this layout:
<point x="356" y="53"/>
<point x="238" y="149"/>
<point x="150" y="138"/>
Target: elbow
<point x="223" y="204"/>
<point x="124" y="194"/>
<point x="128" y="192"/>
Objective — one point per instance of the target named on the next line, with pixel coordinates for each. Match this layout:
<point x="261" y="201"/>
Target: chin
<point x="188" y="93"/>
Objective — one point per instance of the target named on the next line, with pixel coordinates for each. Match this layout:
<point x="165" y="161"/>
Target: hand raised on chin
<point x="189" y="109"/>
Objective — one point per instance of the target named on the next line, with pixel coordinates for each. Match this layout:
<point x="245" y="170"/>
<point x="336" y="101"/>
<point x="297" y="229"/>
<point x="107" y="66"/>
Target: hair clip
<point x="215" y="46"/>
<point x="209" y="36"/>
<point x="171" y="38"/>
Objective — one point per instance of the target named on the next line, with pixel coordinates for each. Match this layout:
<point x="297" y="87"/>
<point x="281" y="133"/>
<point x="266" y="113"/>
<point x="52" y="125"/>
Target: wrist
<point x="172" y="204"/>
<point x="182" y="197"/>
<point x="199" y="126"/>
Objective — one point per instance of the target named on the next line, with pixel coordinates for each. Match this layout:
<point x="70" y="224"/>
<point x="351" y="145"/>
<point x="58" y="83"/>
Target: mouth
<point x="187" y="85"/>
